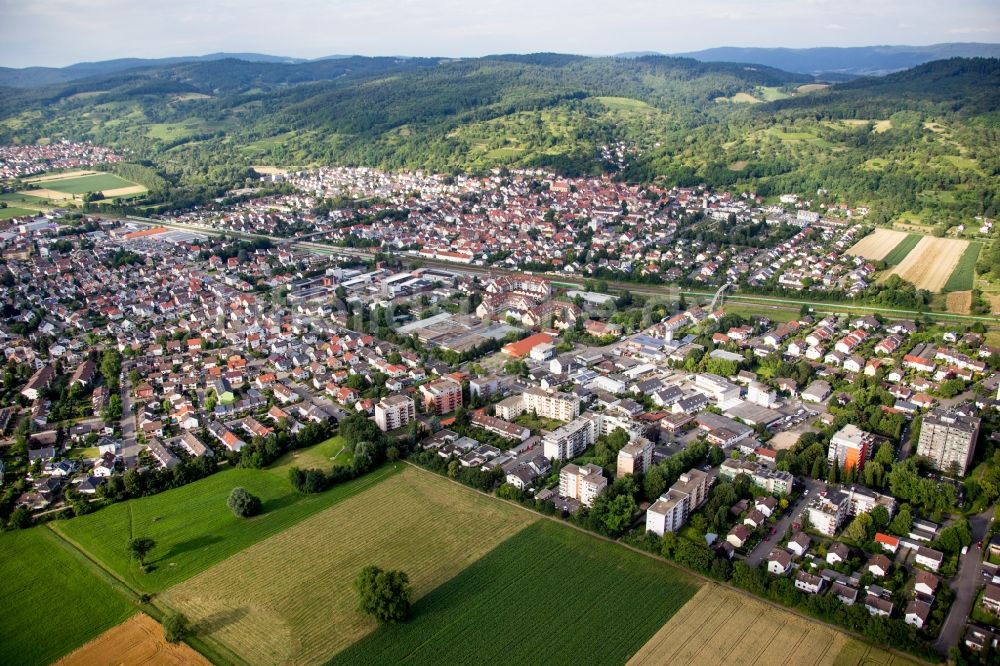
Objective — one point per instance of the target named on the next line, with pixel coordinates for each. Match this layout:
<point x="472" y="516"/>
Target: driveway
<point x="793" y="515"/>
<point x="964" y="584"/>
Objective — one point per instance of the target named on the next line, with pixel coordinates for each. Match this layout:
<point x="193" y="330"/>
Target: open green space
<point x="534" y="422"/>
<point x="904" y="247"/>
<point x="13" y="211"/>
<point x="964" y="275"/>
<point x="604" y="600"/>
<point x="331" y="453"/>
<point x="53" y="599"/>
<point x="84" y="184"/>
<point x="192" y="526"/>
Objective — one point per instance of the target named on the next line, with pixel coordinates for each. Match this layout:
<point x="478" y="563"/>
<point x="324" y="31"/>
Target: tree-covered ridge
<point x="923" y="140"/>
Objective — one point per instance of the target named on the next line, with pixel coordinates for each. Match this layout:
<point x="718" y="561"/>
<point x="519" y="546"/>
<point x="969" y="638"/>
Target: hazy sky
<point x="61" y="32"/>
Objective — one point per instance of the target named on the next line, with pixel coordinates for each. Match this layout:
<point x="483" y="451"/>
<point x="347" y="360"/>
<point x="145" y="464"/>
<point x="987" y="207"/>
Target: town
<point x="843" y="464"/>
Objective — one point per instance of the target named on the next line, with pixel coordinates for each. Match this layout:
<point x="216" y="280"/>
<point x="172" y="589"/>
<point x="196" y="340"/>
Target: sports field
<point x="877" y="244"/>
<point x="721" y="626"/>
<point x="289" y="599"/>
<point x="549" y="594"/>
<point x="930" y="264"/>
<point x="53" y="600"/>
<point x="192" y="526"/>
<point x="138" y="641"/>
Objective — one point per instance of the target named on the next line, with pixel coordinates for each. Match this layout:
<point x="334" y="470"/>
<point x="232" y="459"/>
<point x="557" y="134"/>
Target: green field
<point x="192" y="526"/>
<point x="549" y="594"/>
<point x="964" y="275"/>
<point x="13" y="211"/>
<point x="53" y="600"/>
<point x="899" y="252"/>
<point x="84" y="184"/>
<point x="535" y="422"/>
<point x="324" y="455"/>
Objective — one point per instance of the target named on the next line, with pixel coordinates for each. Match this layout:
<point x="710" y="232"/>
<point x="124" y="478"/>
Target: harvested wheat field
<point x="63" y="175"/>
<point x="994" y="300"/>
<point x="53" y="195"/>
<point x="290" y="599"/>
<point x="959" y="302"/>
<point x="269" y="170"/>
<point x="721" y="626"/>
<point x="931" y="262"/>
<point x="123" y="191"/>
<point x="877" y="244"/>
<point x="137" y="641"/>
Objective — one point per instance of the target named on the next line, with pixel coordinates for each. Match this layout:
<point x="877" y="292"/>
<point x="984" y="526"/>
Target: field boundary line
<point x="693" y="574"/>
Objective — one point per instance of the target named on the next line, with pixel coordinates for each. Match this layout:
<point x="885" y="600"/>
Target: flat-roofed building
<point x="442" y="396"/>
<point x="948" y="439"/>
<point x="395" y="411"/>
<point x="635" y="457"/>
<point x="582" y="483"/>
<point x="850" y="447"/>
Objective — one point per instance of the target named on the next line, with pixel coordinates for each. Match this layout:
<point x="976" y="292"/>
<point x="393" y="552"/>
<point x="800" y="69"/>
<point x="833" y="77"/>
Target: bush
<point x="243" y="504"/>
<point x="175" y="627"/>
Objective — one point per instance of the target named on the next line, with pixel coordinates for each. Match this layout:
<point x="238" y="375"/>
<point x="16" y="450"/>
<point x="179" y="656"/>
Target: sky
<point x="62" y="32"/>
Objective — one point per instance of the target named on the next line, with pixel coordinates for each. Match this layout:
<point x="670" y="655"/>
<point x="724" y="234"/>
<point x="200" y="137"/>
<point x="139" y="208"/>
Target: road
<point x="128" y="418"/>
<point x="793" y="515"/>
<point x="646" y="290"/>
<point x="964" y="585"/>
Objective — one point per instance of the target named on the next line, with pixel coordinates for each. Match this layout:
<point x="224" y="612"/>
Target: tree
<point x="860" y="530"/>
<point x="139" y="547"/>
<point x="903" y="522"/>
<point x="243" y="504"/>
<point x="384" y="595"/>
<point x="175" y="627"/>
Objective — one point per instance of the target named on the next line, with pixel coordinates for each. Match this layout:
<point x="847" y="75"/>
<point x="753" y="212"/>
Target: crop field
<point x="290" y="598"/>
<point x="53" y="599"/>
<point x="192" y="526"/>
<point x="91" y="183"/>
<point x="722" y="626"/>
<point x="959" y="302"/>
<point x="606" y="602"/>
<point x="904" y="248"/>
<point x="138" y="641"/>
<point x="62" y="175"/>
<point x="878" y="244"/>
<point x="13" y="211"/>
<point x="930" y="264"/>
<point x="964" y="275"/>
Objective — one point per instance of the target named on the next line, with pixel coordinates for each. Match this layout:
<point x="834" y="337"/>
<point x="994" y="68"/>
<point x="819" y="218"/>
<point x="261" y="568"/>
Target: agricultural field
<point x="69" y="185"/>
<point x="138" y="641"/>
<point x="192" y="526"/>
<point x="605" y="600"/>
<point x="289" y="599"/>
<point x="930" y="264"/>
<point x="878" y="244"/>
<point x="97" y="182"/>
<point x="13" y="211"/>
<point x="60" y="175"/>
<point x="959" y="302"/>
<point x="964" y="275"/>
<point x="904" y="248"/>
<point x="722" y="626"/>
<point x="54" y="601"/>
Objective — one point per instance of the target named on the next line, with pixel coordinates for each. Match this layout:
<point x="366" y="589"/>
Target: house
<point x="738" y="536"/>
<point x="879" y="565"/>
<point x="754" y="519"/>
<point x="926" y="583"/>
<point x="808" y="583"/>
<point x="979" y="638"/>
<point x="991" y="598"/>
<point x="837" y="553"/>
<point x="817" y="391"/>
<point x="878" y="606"/>
<point x="800" y="544"/>
<point x="917" y="612"/>
<point x="930" y="558"/>
<point x="766" y="505"/>
<point x="845" y="594"/>
<point x="888" y="543"/>
<point x="779" y="562"/>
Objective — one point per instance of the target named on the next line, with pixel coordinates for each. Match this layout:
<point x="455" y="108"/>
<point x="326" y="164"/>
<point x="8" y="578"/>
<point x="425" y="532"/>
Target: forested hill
<point x="922" y="140"/>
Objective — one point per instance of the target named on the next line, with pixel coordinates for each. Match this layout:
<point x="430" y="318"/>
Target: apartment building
<point x="850" y="447"/>
<point x="571" y="439"/>
<point x="827" y="511"/>
<point x="671" y="510"/>
<point x="582" y="483"/>
<point x="551" y="405"/>
<point x="772" y="481"/>
<point x="635" y="457"/>
<point x="948" y="439"/>
<point x="442" y="396"/>
<point x="395" y="411"/>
